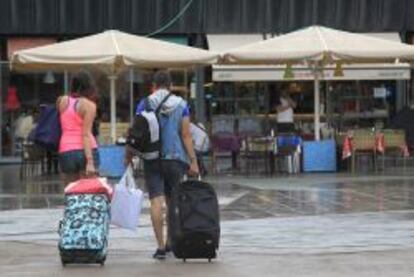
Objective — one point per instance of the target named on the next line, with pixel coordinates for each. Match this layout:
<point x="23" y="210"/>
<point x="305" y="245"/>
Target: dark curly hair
<point x="83" y="85"/>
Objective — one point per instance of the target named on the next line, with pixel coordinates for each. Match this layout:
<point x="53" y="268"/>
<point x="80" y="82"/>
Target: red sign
<point x="15" y="44"/>
<point x="12" y="102"/>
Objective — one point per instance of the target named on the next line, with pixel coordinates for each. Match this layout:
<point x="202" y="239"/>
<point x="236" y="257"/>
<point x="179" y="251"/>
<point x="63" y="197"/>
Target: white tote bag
<point x="126" y="202"/>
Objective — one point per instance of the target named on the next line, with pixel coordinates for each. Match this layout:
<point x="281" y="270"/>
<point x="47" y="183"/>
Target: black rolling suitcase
<point x="194" y="221"/>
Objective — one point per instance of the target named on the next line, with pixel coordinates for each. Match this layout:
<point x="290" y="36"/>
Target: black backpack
<point x="144" y="137"/>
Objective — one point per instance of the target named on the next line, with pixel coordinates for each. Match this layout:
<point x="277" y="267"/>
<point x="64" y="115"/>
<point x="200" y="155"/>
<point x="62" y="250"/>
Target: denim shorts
<point x="74" y="162"/>
<point x="161" y="178"/>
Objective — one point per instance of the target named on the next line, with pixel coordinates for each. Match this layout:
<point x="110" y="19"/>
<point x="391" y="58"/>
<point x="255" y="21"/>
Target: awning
<point x="182" y="40"/>
<point x="220" y="42"/>
<point x="387" y="36"/>
<point x="230" y="73"/>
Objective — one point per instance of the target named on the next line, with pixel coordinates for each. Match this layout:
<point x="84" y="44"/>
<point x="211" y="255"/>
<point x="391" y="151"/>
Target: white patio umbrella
<point x="318" y="46"/>
<point x="111" y="52"/>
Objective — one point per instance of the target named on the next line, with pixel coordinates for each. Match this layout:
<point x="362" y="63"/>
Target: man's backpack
<point x="48" y="131"/>
<point x="144" y="137"/>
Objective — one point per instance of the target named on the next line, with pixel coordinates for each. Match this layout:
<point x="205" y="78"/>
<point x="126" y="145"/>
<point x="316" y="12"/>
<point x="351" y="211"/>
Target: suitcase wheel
<point x="184" y="260"/>
<point x="209" y="260"/>
<point x="102" y="261"/>
<point x="64" y="263"/>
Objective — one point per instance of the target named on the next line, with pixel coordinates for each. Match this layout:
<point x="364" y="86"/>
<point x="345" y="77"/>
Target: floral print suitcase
<point x="84" y="229"/>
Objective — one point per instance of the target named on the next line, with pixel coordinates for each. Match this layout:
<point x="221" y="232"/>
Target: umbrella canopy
<point x="320" y="44"/>
<point x="111" y="51"/>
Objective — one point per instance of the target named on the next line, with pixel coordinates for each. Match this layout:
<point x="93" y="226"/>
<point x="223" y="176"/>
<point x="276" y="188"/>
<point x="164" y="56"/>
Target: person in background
<point x="201" y="142"/>
<point x="177" y="157"/>
<point x="24" y="125"/>
<point x="78" y="149"/>
<point x="285" y="123"/>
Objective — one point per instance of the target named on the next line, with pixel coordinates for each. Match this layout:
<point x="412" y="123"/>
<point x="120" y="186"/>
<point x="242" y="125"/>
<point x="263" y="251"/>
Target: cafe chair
<point x="224" y="146"/>
<point x="287" y="153"/>
<point x="363" y="144"/>
<point x="394" y="147"/>
<point x="225" y="143"/>
<point x="33" y="160"/>
<point x="343" y="161"/>
<point x="257" y="155"/>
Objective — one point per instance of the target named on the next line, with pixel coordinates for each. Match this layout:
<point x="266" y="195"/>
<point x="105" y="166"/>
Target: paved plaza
<point x="305" y="225"/>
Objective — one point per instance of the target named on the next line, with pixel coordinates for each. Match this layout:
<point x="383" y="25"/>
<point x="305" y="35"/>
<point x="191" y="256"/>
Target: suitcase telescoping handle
<point x="186" y="178"/>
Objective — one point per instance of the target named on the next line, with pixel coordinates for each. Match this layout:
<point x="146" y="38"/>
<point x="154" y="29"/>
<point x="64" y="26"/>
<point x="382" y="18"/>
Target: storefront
<point x="363" y="95"/>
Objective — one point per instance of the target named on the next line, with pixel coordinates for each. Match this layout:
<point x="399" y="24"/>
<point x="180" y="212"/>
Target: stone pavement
<point x="34" y="260"/>
<point x="308" y="225"/>
<point x="360" y="244"/>
<point x="353" y="244"/>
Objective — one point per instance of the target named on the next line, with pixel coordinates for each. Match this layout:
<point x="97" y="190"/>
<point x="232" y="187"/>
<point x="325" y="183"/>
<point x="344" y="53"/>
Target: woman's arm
<point x="61" y="103"/>
<point x="88" y="113"/>
<point x="281" y="108"/>
<point x="188" y="144"/>
<point x="292" y="103"/>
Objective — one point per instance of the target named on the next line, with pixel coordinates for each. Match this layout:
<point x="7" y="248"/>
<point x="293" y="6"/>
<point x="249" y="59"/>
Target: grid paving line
<point x="307" y="202"/>
<point x="386" y="202"/>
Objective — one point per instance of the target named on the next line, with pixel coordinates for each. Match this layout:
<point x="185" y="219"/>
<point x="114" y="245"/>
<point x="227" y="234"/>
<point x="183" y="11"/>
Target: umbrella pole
<point x="1" y="110"/>
<point x="112" y="80"/>
<point x="66" y="82"/>
<point x="131" y="95"/>
<point x="317" y="104"/>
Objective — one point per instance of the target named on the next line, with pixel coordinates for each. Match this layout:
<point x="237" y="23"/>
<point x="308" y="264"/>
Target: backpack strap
<point x="201" y="128"/>
<point x="158" y="109"/>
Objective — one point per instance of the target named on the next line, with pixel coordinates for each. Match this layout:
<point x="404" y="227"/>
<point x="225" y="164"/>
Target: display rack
<point x="360" y="106"/>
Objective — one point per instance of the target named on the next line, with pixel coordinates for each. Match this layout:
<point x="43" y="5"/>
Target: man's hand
<point x="128" y="156"/>
<point x="193" y="170"/>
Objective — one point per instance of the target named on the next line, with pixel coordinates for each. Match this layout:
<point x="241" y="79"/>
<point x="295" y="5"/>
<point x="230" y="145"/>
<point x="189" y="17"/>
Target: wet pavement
<point x="304" y="225"/>
<point x="254" y="197"/>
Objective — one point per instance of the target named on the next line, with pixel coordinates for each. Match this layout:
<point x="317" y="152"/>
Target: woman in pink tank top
<point x="78" y="149"/>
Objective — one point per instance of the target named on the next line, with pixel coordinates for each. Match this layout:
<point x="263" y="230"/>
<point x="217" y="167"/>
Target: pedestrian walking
<point x="177" y="154"/>
<point x="78" y="148"/>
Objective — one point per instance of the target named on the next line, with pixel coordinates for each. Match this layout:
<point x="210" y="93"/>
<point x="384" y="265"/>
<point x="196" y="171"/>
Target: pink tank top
<point x="72" y="134"/>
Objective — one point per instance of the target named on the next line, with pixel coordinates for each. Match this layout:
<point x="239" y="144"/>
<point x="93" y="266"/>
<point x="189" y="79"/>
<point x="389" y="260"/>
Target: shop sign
<point x="240" y="74"/>
<point x="380" y="92"/>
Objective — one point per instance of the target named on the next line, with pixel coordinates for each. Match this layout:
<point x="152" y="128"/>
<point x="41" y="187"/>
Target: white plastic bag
<point x="126" y="202"/>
